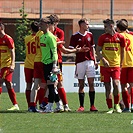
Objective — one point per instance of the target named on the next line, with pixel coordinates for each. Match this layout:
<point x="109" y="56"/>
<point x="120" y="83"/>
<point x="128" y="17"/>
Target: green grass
<point x="70" y="122"/>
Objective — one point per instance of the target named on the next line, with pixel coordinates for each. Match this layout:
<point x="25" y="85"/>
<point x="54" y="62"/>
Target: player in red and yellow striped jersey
<point x="7" y="64"/>
<point x="29" y="61"/>
<point x="112" y="46"/>
<point x="39" y="87"/>
<point x="127" y="66"/>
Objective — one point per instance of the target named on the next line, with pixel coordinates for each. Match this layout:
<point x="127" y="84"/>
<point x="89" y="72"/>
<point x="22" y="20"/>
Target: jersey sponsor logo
<point x="111" y="48"/>
<point x="43" y="45"/>
<point x="89" y="39"/>
<point x="3" y="51"/>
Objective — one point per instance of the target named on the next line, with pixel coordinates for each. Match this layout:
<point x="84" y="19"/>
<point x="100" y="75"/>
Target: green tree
<point x="22" y="30"/>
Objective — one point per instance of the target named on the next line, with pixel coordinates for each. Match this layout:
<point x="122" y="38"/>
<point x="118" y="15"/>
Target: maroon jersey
<point x="81" y="40"/>
<point x="60" y="34"/>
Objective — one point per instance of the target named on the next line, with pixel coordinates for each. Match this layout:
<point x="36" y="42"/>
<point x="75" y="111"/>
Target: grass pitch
<point x="66" y="122"/>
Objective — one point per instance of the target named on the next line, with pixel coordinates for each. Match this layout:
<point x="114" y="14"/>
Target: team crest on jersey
<point x="106" y="38"/>
<point x="89" y="39"/>
<point x="4" y="41"/>
<point x="79" y="39"/>
<point x="117" y="39"/>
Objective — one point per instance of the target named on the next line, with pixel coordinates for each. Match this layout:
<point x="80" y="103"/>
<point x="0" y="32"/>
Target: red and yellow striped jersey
<point x="111" y="47"/>
<point x="6" y="43"/>
<point x="128" y="50"/>
<point x="38" y="55"/>
<point x="30" y="51"/>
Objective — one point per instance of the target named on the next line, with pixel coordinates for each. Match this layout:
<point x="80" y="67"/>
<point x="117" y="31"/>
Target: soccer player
<point x="110" y="50"/>
<point x="66" y="51"/>
<point x="39" y="87"/>
<point x="29" y="61"/>
<point x="127" y="66"/>
<point x="49" y="59"/>
<point x="7" y="64"/>
<point x="60" y="88"/>
<point x="85" y="63"/>
<point x="128" y="88"/>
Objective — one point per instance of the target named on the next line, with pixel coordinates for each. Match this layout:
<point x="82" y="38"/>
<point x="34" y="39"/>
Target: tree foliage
<point x="22" y="30"/>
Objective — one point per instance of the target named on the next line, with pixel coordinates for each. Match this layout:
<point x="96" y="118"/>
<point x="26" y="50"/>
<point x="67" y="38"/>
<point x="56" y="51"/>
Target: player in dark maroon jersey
<point x="85" y="62"/>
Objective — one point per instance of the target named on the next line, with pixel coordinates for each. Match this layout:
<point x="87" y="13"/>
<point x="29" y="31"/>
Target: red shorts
<point x="43" y="80"/>
<point x="6" y="74"/>
<point x="28" y="75"/>
<point x="109" y="72"/>
<point x="39" y="71"/>
<point x="126" y="75"/>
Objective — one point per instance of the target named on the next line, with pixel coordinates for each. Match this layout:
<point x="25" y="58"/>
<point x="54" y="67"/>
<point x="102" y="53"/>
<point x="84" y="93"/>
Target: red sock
<point x="0" y="90"/>
<point x="41" y="93"/>
<point x="125" y="97"/>
<point x="32" y="104"/>
<point x="62" y="95"/>
<point x="27" y="94"/>
<point x="12" y="96"/>
<point x="109" y="103"/>
<point x="132" y="95"/>
<point x="116" y="99"/>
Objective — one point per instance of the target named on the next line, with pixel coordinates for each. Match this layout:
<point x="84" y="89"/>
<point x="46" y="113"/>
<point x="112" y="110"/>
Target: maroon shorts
<point x="28" y="75"/>
<point x="109" y="72"/>
<point x="126" y="75"/>
<point x="6" y="74"/>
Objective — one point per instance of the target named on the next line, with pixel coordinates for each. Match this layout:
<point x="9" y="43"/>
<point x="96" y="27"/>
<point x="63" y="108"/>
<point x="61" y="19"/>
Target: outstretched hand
<point x="55" y="70"/>
<point x="61" y="42"/>
<point x="83" y="49"/>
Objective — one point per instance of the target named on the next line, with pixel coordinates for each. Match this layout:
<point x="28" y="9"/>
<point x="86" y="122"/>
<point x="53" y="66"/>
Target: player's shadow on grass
<point x="87" y="112"/>
<point x="18" y="111"/>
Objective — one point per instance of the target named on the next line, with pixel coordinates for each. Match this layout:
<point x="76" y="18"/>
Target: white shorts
<point x="85" y="68"/>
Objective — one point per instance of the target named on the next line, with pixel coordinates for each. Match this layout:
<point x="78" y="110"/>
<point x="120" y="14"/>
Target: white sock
<point x="16" y="105"/>
<point x="58" y="104"/>
<point x="66" y="105"/>
<point x="50" y="106"/>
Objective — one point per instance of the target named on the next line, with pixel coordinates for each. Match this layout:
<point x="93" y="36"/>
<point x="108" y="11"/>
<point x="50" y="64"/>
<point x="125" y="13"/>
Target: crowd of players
<point x="43" y="65"/>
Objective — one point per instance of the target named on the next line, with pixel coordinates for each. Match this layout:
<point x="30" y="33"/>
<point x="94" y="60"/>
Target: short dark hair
<point x="34" y="26"/>
<point x="82" y="20"/>
<point x="46" y="20"/>
<point x="108" y="21"/>
<point x="122" y="24"/>
<point x="54" y="18"/>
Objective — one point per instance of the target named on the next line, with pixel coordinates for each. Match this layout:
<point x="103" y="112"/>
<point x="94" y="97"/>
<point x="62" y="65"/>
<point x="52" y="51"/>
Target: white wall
<point x="70" y="83"/>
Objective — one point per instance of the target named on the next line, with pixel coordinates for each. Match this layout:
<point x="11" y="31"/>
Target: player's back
<point x="128" y="54"/>
<point x="30" y="51"/>
<point x="38" y="55"/>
